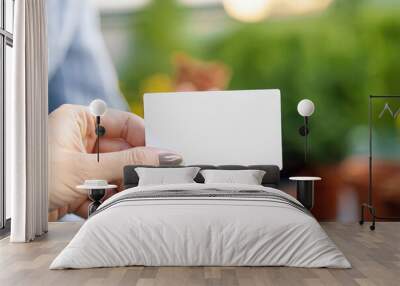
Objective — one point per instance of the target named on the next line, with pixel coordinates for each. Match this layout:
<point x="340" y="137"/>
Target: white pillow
<point x="165" y="176"/>
<point x="248" y="177"/>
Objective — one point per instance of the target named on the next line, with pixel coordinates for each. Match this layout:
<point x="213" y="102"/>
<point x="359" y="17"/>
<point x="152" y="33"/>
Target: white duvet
<point x="200" y="231"/>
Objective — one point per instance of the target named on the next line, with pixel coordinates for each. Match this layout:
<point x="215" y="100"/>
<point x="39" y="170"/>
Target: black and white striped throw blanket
<point x="206" y="194"/>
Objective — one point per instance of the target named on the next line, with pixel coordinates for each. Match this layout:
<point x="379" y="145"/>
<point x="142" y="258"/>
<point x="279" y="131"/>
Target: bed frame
<point x="270" y="179"/>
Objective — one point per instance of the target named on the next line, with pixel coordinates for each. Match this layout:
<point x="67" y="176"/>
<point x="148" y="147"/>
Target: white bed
<point x="206" y="224"/>
<point x="189" y="231"/>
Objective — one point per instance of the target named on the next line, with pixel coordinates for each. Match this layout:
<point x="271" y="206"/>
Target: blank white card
<point x="217" y="127"/>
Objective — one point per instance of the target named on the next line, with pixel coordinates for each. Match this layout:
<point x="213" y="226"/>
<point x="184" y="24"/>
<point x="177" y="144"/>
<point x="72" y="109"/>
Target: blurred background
<point x="334" y="52"/>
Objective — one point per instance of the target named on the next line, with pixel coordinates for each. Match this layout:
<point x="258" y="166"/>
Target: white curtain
<point x="26" y="123"/>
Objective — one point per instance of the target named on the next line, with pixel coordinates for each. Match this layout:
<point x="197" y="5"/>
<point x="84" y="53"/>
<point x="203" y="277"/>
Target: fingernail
<point x="168" y="158"/>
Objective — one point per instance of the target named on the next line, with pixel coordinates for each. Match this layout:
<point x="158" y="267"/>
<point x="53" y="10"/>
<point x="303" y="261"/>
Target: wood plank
<point x="375" y="257"/>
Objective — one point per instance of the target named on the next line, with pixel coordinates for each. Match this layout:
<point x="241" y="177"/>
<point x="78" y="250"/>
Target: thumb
<point x="110" y="167"/>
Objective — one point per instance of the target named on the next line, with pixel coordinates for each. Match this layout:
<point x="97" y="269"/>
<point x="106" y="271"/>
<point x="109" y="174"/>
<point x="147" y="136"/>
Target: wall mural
<point x="335" y="54"/>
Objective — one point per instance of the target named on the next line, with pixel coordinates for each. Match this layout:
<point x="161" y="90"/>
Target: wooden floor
<point x="375" y="257"/>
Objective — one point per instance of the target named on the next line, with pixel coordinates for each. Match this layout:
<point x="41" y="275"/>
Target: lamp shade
<point x="305" y="107"/>
<point x="98" y="107"/>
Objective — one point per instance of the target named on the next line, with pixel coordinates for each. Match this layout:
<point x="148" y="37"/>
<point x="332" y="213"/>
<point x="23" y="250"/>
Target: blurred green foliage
<point x="156" y="34"/>
<point x="335" y="58"/>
